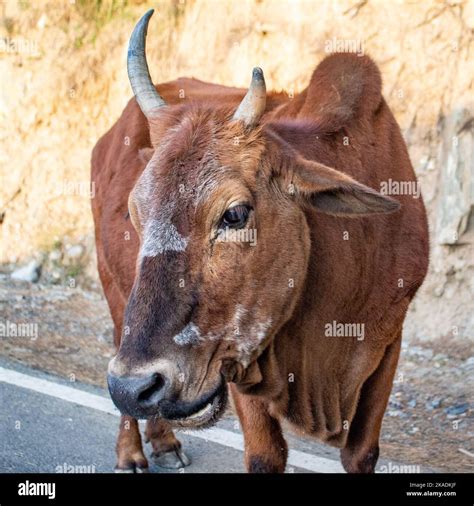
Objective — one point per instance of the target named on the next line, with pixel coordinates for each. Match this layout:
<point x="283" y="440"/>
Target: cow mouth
<point x="204" y="413"/>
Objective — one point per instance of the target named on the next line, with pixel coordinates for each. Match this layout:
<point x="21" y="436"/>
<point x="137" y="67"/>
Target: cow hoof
<point x="174" y="459"/>
<point x="132" y="469"/>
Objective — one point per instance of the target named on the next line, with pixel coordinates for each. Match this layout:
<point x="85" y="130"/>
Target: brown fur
<point x="305" y="184"/>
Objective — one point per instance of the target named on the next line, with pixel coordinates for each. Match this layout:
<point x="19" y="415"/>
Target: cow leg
<point x="130" y="457"/>
<point x="266" y="450"/>
<point x="167" y="450"/>
<point x="361" y="452"/>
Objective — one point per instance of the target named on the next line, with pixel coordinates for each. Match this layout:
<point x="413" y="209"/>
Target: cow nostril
<point x="138" y="396"/>
<point x="153" y="388"/>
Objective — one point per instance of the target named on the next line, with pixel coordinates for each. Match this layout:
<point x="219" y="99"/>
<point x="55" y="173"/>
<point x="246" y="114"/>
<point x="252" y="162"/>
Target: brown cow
<point x="253" y="247"/>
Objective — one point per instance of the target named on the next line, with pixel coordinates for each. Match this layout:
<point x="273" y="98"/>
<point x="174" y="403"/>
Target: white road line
<point x="215" y="434"/>
<point x="58" y="390"/>
<point x="295" y="457"/>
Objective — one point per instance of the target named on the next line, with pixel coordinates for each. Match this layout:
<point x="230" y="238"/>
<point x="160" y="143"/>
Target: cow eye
<point x="235" y="217"/>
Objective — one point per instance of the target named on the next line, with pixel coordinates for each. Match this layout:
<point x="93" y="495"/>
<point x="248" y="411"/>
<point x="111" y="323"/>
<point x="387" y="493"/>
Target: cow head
<point x="224" y="248"/>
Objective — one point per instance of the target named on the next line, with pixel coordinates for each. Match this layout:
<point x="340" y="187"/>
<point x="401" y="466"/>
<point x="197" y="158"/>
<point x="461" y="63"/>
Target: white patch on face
<point x="261" y="329"/>
<point x="118" y="368"/>
<point x="188" y="336"/>
<point x="248" y="340"/>
<point x="207" y="187"/>
<point x="160" y="236"/>
<point x="231" y="331"/>
<point x="252" y="340"/>
<point x="240" y="312"/>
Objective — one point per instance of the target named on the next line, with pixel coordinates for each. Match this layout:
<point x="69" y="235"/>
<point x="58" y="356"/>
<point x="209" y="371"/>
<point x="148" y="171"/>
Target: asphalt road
<point x="48" y="424"/>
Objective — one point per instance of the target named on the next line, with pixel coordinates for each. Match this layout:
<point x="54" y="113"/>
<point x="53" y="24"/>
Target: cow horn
<point x="145" y="92"/>
<point x="253" y="104"/>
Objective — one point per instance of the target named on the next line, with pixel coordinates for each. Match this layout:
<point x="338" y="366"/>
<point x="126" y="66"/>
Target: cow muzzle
<point x="144" y="394"/>
<point x="137" y="396"/>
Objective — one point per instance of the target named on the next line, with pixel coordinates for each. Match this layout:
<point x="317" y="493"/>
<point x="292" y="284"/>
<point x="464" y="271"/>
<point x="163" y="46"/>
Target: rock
<point x="457" y="410"/>
<point x="454" y="204"/>
<point x="393" y="412"/>
<point x="397" y="413"/>
<point x="395" y="405"/>
<point x="413" y="430"/>
<point x="418" y="351"/>
<point x="42" y="22"/>
<point x="433" y="403"/>
<point x="30" y="272"/>
<point x="56" y="276"/>
<point x="74" y="251"/>
<point x="469" y="364"/>
<point x="55" y="255"/>
<point x="439" y="290"/>
<point x="103" y="337"/>
<point x="411" y="403"/>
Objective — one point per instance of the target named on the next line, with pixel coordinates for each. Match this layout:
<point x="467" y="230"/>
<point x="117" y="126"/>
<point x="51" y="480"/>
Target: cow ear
<point x="313" y="183"/>
<point x="333" y="192"/>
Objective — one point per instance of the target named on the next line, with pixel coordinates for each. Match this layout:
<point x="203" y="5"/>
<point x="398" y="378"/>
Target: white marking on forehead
<point x="189" y="335"/>
<point x="160" y="236"/>
<point x="144" y="188"/>
<point x="207" y="187"/>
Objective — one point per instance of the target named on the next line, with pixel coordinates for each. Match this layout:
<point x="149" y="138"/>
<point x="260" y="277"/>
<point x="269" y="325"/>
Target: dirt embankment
<point x="64" y="83"/>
